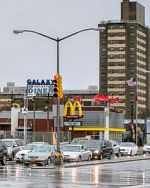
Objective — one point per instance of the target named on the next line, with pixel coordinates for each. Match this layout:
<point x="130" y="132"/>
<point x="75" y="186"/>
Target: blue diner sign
<point x="41" y="87"/>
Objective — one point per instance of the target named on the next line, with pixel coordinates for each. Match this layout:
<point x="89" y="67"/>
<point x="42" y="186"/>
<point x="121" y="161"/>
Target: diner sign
<point x="42" y="87"/>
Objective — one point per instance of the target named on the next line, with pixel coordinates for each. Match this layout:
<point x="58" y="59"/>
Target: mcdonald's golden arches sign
<point x="73" y="110"/>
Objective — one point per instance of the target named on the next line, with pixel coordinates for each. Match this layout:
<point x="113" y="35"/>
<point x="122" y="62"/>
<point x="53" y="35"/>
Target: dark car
<point x="100" y="149"/>
<point x="3" y="153"/>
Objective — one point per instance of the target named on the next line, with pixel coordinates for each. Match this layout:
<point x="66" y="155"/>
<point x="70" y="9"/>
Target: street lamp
<point x="57" y="40"/>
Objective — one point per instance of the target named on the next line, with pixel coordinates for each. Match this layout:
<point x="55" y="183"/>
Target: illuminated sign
<point x="70" y="111"/>
<point x="40" y="87"/>
<point x="106" y="98"/>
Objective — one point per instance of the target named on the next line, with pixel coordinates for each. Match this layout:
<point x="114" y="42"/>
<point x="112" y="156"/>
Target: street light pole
<point x="25" y="117"/>
<point x="57" y="40"/>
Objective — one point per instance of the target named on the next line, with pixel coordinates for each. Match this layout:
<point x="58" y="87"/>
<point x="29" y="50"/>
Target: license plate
<point x="33" y="161"/>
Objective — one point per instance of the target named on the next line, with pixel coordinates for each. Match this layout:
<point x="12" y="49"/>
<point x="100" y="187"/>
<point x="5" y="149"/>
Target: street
<point x="125" y="174"/>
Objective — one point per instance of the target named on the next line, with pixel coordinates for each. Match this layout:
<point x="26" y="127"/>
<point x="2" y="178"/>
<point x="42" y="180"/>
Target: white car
<point x="146" y="148"/>
<point x="128" y="148"/>
<point x="76" y="153"/>
<point x="19" y="157"/>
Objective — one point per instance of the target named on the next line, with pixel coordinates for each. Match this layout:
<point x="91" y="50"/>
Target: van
<point x="13" y="146"/>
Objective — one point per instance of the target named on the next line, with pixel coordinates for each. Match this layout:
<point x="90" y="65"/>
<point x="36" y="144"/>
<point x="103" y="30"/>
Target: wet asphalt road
<point x="128" y="174"/>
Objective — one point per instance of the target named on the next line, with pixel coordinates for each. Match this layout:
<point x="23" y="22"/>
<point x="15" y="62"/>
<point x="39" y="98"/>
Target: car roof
<point x="74" y="145"/>
<point x="46" y="143"/>
<point x="10" y="139"/>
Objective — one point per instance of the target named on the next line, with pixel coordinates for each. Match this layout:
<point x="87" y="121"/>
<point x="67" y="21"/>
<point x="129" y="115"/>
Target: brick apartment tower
<point x="124" y="53"/>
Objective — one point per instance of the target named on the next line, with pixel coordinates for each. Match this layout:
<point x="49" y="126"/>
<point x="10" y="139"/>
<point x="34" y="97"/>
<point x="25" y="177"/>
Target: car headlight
<point x="26" y="156"/>
<point x="17" y="155"/>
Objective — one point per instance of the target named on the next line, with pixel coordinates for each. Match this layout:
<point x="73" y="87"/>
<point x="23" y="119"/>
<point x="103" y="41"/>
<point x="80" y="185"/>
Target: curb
<point x="107" y="161"/>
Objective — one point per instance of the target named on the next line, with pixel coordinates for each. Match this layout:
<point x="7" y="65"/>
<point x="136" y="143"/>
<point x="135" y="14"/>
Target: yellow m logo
<point x="70" y="109"/>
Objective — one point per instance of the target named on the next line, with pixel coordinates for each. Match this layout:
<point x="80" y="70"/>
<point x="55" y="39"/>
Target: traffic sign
<point x="72" y="123"/>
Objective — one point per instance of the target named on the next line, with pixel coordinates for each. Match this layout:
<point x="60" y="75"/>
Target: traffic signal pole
<point x="58" y="104"/>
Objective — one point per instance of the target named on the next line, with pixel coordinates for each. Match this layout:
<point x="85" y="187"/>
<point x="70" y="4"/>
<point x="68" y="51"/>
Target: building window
<point x="132" y="34"/>
<point x="131" y="49"/>
<point x="132" y="56"/>
<point x="131" y="26"/>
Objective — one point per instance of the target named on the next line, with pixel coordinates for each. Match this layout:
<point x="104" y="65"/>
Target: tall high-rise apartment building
<point x="125" y="53"/>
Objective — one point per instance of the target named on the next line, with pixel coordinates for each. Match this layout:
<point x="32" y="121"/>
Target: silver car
<point x="19" y="157"/>
<point x="40" y="155"/>
<point x="76" y="153"/>
<point x="13" y="146"/>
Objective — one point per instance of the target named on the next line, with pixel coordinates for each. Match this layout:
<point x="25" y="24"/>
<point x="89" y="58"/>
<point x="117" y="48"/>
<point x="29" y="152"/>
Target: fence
<point x="49" y="137"/>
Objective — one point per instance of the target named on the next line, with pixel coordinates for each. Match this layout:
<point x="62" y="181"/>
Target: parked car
<point x="100" y="148"/>
<point x="146" y="148"/>
<point x="3" y="153"/>
<point x="13" y="146"/>
<point x="76" y="153"/>
<point x="128" y="148"/>
<point x="81" y="140"/>
<point x="40" y="155"/>
<point x="116" y="147"/>
<point x="19" y="157"/>
<point x="62" y="145"/>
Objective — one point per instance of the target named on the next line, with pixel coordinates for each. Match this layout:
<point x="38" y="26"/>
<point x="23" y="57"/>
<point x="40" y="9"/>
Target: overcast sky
<point x="28" y="55"/>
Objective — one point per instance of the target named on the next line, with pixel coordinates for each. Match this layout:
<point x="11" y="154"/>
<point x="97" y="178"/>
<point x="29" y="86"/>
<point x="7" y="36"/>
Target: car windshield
<point x="8" y="143"/>
<point x="72" y="148"/>
<point x="78" y="141"/>
<point x="42" y="148"/>
<point x="28" y="147"/>
<point x="126" y="144"/>
<point x="93" y="144"/>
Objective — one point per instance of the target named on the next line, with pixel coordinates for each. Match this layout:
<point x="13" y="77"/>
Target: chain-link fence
<point x="50" y="137"/>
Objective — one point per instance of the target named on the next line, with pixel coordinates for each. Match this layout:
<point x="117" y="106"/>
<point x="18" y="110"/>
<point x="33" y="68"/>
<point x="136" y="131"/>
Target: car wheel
<point x="79" y="159"/>
<point x="4" y="160"/>
<point x="101" y="157"/>
<point x="49" y="161"/>
<point x="111" y="156"/>
<point x="12" y="157"/>
<point x="118" y="154"/>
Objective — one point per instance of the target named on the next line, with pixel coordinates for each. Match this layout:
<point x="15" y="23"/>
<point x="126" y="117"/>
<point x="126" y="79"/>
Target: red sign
<point x="76" y="98"/>
<point x="106" y="98"/>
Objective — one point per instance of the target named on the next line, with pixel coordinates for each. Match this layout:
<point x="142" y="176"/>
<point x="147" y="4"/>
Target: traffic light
<point x="57" y="82"/>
